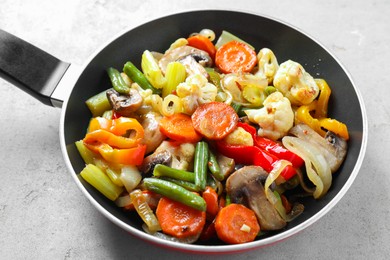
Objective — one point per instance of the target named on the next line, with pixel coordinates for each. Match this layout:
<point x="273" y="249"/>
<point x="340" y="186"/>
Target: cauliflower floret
<point x="295" y="83"/>
<point x="182" y="155"/>
<point x="268" y="64"/>
<point x="275" y="118"/>
<point x="239" y="137"/>
<point x="196" y="90"/>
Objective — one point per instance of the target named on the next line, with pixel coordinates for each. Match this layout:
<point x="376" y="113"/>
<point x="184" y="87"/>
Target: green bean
<point x="200" y="164"/>
<point x="235" y="106"/>
<point x="185" y="184"/>
<point x="118" y="83"/>
<point x="227" y="200"/>
<point x="214" y="166"/>
<point x="215" y="184"/>
<point x="137" y="76"/>
<point x="175" y="192"/>
<point x="163" y="170"/>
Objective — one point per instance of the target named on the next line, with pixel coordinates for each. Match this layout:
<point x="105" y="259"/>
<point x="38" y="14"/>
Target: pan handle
<point x="31" y="69"/>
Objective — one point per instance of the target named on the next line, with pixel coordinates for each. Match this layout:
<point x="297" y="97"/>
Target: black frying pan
<point x="41" y="75"/>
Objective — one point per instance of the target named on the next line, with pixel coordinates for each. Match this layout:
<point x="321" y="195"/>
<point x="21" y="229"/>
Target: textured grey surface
<point x="43" y="215"/>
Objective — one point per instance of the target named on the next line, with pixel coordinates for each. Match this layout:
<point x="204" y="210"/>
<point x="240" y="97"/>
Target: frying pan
<point x="58" y="83"/>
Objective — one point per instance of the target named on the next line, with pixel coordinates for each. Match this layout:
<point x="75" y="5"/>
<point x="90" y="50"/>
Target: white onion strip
<point x="317" y="169"/>
<point x="186" y="240"/>
<point x="123" y="201"/>
<point x="272" y="176"/>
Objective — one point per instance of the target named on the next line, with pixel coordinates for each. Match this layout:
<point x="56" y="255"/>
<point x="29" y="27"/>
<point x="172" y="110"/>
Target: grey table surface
<point x="43" y="214"/>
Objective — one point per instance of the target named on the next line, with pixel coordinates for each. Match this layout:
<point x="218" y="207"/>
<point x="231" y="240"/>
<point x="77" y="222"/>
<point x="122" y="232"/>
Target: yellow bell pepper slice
<point x="303" y="115"/>
<point x="130" y="156"/>
<point x="335" y="126"/>
<point x="321" y="110"/>
<point x="114" y="132"/>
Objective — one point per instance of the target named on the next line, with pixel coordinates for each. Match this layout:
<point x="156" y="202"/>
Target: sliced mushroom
<point x="333" y="147"/>
<point x="152" y="135"/>
<point x="124" y="104"/>
<point x="245" y="186"/>
<point x="226" y="165"/>
<point x="192" y="66"/>
<point x="179" y="53"/>
<point x="148" y="164"/>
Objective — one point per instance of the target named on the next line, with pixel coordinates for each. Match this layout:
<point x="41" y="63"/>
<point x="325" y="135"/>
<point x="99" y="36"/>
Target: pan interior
<point x="285" y="41"/>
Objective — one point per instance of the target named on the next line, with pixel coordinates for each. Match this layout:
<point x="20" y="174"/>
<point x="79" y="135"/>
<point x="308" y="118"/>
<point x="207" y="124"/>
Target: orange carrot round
<point x="236" y="224"/>
<point x="211" y="198"/>
<point x="214" y="120"/>
<point x="208" y="231"/>
<point x="203" y="43"/>
<point x="179" y="220"/>
<point x="235" y="56"/>
<point x="179" y="127"/>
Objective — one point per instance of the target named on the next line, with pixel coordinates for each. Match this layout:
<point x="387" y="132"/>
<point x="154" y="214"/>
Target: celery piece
<point x="254" y="95"/>
<point x="99" y="180"/>
<point x="152" y="71"/>
<point x="107" y="114"/>
<point x="175" y="74"/>
<point x="226" y="37"/>
<point x="112" y="173"/>
<point x="214" y="76"/>
<point x="98" y="104"/>
<point x="86" y="154"/>
<point x="114" y="176"/>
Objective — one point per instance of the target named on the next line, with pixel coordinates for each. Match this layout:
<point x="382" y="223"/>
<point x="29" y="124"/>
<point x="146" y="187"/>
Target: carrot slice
<point x="203" y="43"/>
<point x="236" y="224"/>
<point x="179" y="128"/>
<point x="179" y="220"/>
<point x="214" y="120"/>
<point x="211" y="198"/>
<point x="235" y="56"/>
<point x="208" y="231"/>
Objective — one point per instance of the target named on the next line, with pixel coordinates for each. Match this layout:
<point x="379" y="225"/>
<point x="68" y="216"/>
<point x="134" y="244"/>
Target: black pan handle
<point x="30" y="68"/>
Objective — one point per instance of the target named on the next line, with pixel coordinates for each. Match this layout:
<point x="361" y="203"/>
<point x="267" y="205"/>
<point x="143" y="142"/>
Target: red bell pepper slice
<point x="253" y="155"/>
<point x="272" y="147"/>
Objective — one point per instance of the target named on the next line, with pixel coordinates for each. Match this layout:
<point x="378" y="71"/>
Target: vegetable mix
<point x="212" y="140"/>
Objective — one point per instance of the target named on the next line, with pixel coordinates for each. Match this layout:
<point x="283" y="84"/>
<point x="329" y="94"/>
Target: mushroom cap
<point x="332" y="147"/>
<point x="245" y="187"/>
<point x="124" y="104"/>
<point x="179" y="53"/>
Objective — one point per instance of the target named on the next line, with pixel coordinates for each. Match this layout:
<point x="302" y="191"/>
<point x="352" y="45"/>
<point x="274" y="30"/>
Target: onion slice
<point x="317" y="168"/>
<point x="123" y="200"/>
<point x="144" y="211"/>
<point x="186" y="240"/>
<point x="272" y="176"/>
